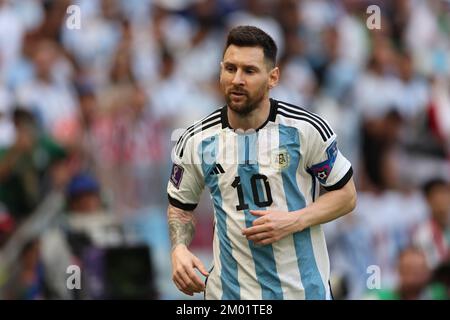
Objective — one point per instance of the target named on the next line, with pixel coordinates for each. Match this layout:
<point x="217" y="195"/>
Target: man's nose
<point x="238" y="79"/>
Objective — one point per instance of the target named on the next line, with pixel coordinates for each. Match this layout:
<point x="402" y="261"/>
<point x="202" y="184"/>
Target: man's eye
<point x="250" y="71"/>
<point x="229" y="68"/>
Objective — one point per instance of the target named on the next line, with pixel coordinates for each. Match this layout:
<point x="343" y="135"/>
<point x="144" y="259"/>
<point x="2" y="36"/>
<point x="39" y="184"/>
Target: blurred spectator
<point x="6" y="225"/>
<point x="83" y="194"/>
<point x="426" y="38"/>
<point x="441" y="275"/>
<point x="379" y="140"/>
<point x="6" y="123"/>
<point x="414" y="280"/>
<point x="84" y="236"/>
<point x="375" y="90"/>
<point x="171" y="95"/>
<point x="12" y="29"/>
<point x="87" y="148"/>
<point x="298" y="82"/>
<point x="138" y="146"/>
<point x="353" y="33"/>
<point x="374" y="235"/>
<point x="27" y="281"/>
<point x="433" y="236"/>
<point x="94" y="45"/>
<point x="49" y="95"/>
<point x="114" y="92"/>
<point x="198" y="60"/>
<point x="63" y="245"/>
<point x="412" y="92"/>
<point x="121" y="69"/>
<point x="340" y="72"/>
<point x="439" y="116"/>
<point x="24" y="166"/>
<point x="55" y="12"/>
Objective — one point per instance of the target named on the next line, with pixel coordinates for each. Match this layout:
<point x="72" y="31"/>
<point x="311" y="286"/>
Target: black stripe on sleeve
<point x="342" y="182"/>
<point x="195" y="132"/>
<point x="299" y="113"/>
<point x="324" y="138"/>
<point x="296" y="109"/>
<point x="189" y="130"/>
<point x="180" y="205"/>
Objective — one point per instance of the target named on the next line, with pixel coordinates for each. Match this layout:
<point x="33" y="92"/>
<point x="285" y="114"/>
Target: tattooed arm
<point x="181" y="229"/>
<point x="181" y="226"/>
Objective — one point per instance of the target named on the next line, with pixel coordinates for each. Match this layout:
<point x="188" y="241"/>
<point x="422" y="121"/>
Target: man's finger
<point x="177" y="285"/>
<point x="181" y="288"/>
<point x="186" y="284"/>
<point x="259" y="221"/>
<point x="259" y="237"/>
<point x="254" y="230"/>
<point x="179" y="279"/>
<point x="189" y="285"/>
<point x="265" y="242"/>
<point x="259" y="213"/>
<point x="196" y="284"/>
<point x="200" y="266"/>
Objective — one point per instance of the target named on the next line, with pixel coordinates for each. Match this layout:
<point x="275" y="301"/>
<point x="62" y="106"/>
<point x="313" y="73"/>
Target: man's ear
<point x="274" y="77"/>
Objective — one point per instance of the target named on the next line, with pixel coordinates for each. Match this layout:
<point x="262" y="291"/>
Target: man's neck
<point x="253" y="120"/>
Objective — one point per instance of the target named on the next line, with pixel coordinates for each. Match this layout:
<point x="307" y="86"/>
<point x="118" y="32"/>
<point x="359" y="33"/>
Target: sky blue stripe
<point x="265" y="266"/>
<point x="309" y="273"/>
<point x="229" y="271"/>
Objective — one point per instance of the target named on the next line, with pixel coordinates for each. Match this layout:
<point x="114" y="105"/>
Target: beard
<point x="246" y="103"/>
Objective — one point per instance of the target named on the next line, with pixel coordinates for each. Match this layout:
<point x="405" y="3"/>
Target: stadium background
<point x="88" y="117"/>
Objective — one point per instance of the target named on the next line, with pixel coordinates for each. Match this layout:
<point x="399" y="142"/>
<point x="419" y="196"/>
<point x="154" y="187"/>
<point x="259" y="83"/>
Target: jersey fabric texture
<point x="277" y="167"/>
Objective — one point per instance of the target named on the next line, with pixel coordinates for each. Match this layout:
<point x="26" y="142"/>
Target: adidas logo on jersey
<point x="217" y="170"/>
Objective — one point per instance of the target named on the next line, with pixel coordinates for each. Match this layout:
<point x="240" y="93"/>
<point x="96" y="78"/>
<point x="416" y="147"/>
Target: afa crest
<point x="280" y="159"/>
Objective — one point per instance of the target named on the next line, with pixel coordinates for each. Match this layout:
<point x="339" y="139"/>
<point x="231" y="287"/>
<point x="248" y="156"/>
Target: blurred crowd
<point x="91" y="113"/>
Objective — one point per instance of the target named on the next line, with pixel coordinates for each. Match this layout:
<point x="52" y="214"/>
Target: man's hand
<point x="272" y="226"/>
<point x="184" y="264"/>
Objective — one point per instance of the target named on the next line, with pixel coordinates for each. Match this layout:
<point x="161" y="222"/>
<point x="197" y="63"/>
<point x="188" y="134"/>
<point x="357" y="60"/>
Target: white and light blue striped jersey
<point x="277" y="167"/>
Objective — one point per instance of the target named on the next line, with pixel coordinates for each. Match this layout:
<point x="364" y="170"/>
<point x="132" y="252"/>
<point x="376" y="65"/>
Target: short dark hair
<point x="22" y="116"/>
<point x="250" y="36"/>
<point x="431" y="184"/>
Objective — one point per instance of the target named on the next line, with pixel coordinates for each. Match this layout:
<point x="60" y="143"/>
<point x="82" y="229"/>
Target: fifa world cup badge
<point x="177" y="175"/>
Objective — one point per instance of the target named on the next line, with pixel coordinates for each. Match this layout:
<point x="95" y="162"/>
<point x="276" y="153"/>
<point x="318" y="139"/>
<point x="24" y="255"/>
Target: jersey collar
<point x="272" y="115"/>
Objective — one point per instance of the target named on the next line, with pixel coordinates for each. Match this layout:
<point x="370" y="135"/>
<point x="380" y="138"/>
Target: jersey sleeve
<point x="186" y="181"/>
<point x="326" y="162"/>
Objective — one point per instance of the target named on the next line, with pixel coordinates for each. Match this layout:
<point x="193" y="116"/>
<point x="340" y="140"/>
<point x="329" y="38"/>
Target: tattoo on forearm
<point x="181" y="226"/>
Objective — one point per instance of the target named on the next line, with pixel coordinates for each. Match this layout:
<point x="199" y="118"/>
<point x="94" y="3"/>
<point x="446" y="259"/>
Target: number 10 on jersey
<point x="254" y="181"/>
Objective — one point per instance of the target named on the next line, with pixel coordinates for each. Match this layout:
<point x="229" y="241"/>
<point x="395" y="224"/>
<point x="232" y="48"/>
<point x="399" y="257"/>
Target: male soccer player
<point x="261" y="160"/>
